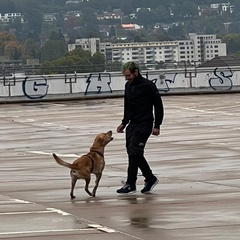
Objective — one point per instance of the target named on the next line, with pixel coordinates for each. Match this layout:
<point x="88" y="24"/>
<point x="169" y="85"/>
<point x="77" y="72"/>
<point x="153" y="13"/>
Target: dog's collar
<point x="96" y="151"/>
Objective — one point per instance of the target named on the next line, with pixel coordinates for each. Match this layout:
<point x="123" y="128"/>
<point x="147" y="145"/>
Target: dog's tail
<point x="61" y="162"/>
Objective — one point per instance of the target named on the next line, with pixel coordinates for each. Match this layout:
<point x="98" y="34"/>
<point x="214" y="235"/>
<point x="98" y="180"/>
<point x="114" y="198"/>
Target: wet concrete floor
<point x="196" y="159"/>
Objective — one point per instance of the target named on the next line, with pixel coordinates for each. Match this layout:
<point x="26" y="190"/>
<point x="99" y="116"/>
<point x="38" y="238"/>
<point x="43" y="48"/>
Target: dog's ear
<point x="100" y="139"/>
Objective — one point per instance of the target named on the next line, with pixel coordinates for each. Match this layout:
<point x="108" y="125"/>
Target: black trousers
<point x="136" y="139"/>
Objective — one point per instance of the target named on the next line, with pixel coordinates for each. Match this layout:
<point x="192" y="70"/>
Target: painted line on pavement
<point x="48" y="153"/>
<point x="47" y="231"/>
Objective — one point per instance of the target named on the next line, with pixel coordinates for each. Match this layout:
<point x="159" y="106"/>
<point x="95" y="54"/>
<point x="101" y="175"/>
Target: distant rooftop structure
<point x="130" y="26"/>
<point x="221" y="61"/>
<point x="9" y="17"/>
<point x="140" y="9"/>
<point x="222" y="7"/>
<point x="72" y="2"/>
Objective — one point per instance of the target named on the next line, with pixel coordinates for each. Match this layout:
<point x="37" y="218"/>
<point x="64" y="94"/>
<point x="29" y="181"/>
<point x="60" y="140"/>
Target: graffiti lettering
<point x="98" y="83"/>
<point x="163" y="81"/>
<point x="35" y="88"/>
<point x="221" y="79"/>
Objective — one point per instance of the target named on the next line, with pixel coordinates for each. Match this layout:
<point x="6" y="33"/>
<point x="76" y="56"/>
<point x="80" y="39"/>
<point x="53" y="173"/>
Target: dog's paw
<point x="72" y="196"/>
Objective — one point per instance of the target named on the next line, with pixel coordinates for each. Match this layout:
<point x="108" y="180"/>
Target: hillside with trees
<point x="47" y="26"/>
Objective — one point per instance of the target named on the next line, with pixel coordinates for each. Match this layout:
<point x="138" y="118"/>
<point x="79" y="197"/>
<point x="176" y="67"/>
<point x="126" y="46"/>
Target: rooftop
<point x="221" y="61"/>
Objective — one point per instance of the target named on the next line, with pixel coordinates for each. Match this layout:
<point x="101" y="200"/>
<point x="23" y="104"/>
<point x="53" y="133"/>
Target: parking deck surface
<point x="196" y="159"/>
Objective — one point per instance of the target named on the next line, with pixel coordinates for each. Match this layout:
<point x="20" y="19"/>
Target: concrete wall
<point x="95" y="85"/>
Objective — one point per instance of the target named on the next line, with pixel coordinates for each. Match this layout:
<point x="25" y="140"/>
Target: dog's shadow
<point x="89" y="200"/>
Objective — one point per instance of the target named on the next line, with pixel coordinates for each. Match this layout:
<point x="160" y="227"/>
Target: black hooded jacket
<point x="140" y="98"/>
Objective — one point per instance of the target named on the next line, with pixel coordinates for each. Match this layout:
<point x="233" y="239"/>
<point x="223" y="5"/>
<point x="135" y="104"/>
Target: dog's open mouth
<point x="110" y="135"/>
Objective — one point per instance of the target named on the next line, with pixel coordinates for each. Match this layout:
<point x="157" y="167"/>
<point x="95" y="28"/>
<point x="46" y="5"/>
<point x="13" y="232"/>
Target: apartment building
<point x="222" y="7"/>
<point x="88" y="44"/>
<point x="207" y="47"/>
<point x="198" y="48"/>
<point x="145" y="52"/>
<point x="9" y="17"/>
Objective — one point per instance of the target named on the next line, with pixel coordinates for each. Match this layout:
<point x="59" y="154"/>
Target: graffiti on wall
<point x="163" y="81"/>
<point x="35" y="88"/>
<point x="220" y="79"/>
<point x="98" y="83"/>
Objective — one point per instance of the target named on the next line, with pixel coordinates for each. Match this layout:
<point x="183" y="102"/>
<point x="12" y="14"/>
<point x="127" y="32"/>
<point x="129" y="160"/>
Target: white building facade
<point x="87" y="44"/>
<point x="198" y="48"/>
<point x="9" y="17"/>
<point x="207" y="47"/>
<point x="222" y="7"/>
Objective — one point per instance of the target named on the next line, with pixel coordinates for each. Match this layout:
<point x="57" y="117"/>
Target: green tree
<point x="7" y="6"/>
<point x="89" y="16"/>
<point x="77" y="60"/>
<point x="140" y="35"/>
<point x="112" y="31"/>
<point x="57" y="35"/>
<point x="177" y="32"/>
<point x="98" y="62"/>
<point x="30" y="49"/>
<point x="59" y="2"/>
<point x="54" y="48"/>
<point x="34" y="19"/>
<point x="234" y="28"/>
<point x="189" y="9"/>
<point x="233" y="46"/>
<point x="146" y="18"/>
<point x="233" y="43"/>
<point x="159" y="35"/>
<point x="16" y="24"/>
<point x="209" y="29"/>
<point x="9" y="45"/>
<point x="162" y="13"/>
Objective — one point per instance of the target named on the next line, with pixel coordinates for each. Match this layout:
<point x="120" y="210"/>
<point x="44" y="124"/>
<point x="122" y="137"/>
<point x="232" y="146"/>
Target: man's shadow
<point x="140" y="214"/>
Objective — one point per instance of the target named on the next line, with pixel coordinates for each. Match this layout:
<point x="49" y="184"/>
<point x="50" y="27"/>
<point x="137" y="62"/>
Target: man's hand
<point x="120" y="128"/>
<point x="155" y="131"/>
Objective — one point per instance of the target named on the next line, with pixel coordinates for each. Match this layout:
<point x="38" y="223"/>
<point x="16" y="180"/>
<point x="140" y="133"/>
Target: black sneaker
<point x="150" y="185"/>
<point x="127" y="189"/>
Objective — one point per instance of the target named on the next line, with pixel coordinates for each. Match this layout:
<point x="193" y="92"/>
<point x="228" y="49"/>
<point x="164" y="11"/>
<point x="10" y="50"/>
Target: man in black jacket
<point x="140" y="98"/>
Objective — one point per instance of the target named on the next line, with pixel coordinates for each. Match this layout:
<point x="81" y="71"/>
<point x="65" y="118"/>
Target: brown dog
<point x="92" y="162"/>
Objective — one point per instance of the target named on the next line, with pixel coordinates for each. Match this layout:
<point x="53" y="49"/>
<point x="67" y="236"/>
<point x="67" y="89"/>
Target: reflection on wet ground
<point x="196" y="159"/>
